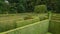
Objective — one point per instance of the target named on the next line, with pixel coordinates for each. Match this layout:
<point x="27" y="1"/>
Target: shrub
<point x="40" y="9"/>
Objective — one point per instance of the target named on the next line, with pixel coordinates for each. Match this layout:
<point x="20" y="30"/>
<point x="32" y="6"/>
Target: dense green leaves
<point x="40" y="27"/>
<point x="17" y="6"/>
<point x="40" y="9"/>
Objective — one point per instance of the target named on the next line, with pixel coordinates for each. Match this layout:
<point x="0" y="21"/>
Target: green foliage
<point x="6" y="25"/>
<point x="13" y="1"/>
<point x="12" y="24"/>
<point x="55" y="24"/>
<point x="1" y="7"/>
<point x="26" y="22"/>
<point x="48" y="33"/>
<point x="28" y="17"/>
<point x="21" y="8"/>
<point x="43" y="18"/>
<point x="40" y="9"/>
<point x="28" y="5"/>
<point x="4" y="7"/>
<point x="40" y="27"/>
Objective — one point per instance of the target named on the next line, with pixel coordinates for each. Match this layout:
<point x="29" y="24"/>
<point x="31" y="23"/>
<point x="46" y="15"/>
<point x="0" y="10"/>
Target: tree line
<point x="18" y="6"/>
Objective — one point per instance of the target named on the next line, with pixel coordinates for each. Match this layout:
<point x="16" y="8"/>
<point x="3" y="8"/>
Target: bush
<point x="40" y="9"/>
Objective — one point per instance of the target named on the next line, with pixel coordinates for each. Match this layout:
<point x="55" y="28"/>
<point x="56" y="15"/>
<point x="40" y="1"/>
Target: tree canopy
<point x="18" y="6"/>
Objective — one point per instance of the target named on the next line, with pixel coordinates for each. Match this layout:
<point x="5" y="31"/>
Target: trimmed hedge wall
<point x="26" y="22"/>
<point x="54" y="27"/>
<point x="40" y="27"/>
<point x="48" y="33"/>
<point x="8" y="25"/>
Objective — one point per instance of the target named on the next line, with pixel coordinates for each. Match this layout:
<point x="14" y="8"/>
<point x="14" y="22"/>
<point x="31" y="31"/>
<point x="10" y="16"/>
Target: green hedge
<point x="48" y="33"/>
<point x="7" y="25"/>
<point x="26" y="22"/>
<point x="40" y="27"/>
<point x="40" y="9"/>
<point x="54" y="27"/>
